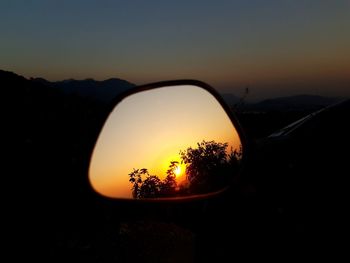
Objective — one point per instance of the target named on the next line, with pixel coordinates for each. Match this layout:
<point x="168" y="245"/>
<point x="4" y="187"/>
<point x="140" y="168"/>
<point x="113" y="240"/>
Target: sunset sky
<point x="151" y="134"/>
<point x="276" y="48"/>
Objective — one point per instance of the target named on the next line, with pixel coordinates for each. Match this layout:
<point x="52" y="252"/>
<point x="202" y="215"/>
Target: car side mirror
<point x="168" y="140"/>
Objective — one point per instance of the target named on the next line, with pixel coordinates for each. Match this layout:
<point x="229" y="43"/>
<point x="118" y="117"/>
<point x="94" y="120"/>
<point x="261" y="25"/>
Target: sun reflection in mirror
<point x="140" y="143"/>
<point x="177" y="171"/>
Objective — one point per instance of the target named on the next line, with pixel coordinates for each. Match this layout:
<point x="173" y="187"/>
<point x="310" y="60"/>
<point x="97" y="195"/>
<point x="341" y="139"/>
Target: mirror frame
<point x="108" y="109"/>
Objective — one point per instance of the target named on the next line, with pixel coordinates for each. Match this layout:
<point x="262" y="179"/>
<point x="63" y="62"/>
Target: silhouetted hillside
<point x="101" y="90"/>
<point x="51" y="134"/>
<point x="55" y="212"/>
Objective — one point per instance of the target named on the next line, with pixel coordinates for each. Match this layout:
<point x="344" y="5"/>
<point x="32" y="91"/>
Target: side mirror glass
<point x="166" y="141"/>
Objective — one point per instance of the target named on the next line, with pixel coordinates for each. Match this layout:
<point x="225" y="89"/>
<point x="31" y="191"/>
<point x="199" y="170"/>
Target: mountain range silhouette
<point x="104" y="91"/>
<point x="101" y="90"/>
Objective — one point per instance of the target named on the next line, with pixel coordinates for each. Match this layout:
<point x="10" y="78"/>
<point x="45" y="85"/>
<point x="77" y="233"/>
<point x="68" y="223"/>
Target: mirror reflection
<point x="165" y="142"/>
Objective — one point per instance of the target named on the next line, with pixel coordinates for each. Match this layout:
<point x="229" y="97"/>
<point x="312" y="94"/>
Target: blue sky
<point x="276" y="47"/>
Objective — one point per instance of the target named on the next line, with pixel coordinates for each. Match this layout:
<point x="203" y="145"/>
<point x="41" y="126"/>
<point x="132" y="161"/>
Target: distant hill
<point x="292" y="103"/>
<point x="21" y="91"/>
<point x="105" y="90"/>
<point x="101" y="90"/>
<point x="51" y="135"/>
<point x="230" y="99"/>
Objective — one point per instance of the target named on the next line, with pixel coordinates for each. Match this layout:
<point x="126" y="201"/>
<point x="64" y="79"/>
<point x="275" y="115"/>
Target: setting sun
<point x="138" y="151"/>
<point x="177" y="171"/>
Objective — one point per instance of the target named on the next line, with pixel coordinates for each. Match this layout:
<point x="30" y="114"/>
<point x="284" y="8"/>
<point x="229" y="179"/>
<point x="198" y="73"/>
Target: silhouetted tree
<point x="208" y="168"/>
<point x="169" y="184"/>
<point x="151" y="187"/>
<point x="136" y="180"/>
<point x="203" y="159"/>
<point x="208" y="165"/>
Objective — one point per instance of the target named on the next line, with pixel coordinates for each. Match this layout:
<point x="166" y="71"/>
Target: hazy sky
<point x="276" y="47"/>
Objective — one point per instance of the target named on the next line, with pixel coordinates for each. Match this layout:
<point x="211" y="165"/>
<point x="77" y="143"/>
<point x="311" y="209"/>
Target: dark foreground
<point x="291" y="203"/>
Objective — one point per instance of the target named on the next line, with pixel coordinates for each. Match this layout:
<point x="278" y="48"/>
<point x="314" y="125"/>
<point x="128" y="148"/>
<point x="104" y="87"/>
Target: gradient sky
<point x="276" y="47"/>
<point x="152" y="134"/>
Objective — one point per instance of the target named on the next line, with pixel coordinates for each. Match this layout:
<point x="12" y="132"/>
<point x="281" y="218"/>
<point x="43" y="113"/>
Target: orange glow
<point x="140" y="133"/>
<point x="177" y="171"/>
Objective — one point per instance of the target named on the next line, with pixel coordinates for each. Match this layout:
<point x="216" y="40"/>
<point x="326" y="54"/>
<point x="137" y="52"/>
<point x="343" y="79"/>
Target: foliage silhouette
<point x="209" y="168"/>
<point x="136" y="180"/>
<point x="169" y="184"/>
<point x="152" y="186"/>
